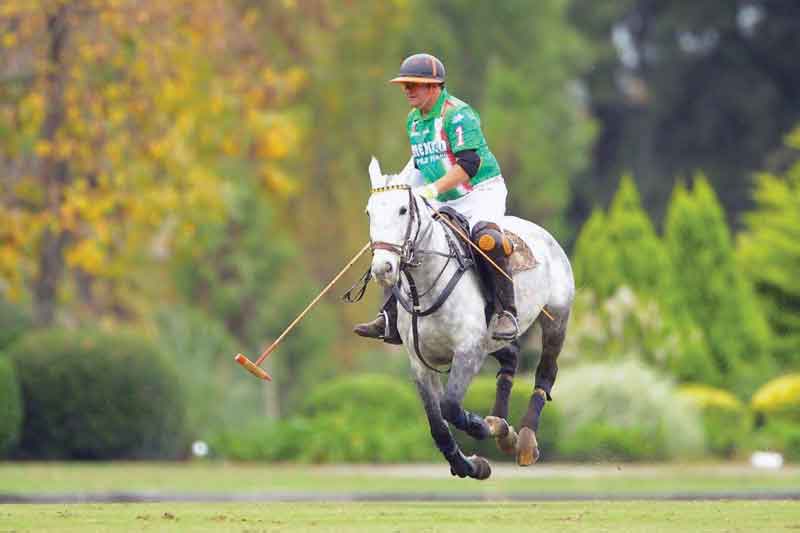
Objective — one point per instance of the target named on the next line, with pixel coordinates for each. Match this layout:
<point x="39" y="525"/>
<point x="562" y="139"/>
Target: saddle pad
<point x="522" y="259"/>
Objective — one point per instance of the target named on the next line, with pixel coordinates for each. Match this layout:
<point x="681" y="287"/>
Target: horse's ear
<point x="375" y="176"/>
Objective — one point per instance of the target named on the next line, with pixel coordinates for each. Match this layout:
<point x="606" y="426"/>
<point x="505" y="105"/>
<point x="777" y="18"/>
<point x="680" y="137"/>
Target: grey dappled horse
<point x="407" y="238"/>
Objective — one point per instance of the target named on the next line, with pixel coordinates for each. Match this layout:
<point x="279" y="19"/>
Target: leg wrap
<point x="535" y="406"/>
<point x="504" y="384"/>
<point x="464" y="420"/>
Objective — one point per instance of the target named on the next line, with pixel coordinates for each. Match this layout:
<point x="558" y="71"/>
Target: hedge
<point x="726" y="420"/>
<point x="10" y="407"/>
<point x="624" y="411"/>
<point x="94" y="395"/>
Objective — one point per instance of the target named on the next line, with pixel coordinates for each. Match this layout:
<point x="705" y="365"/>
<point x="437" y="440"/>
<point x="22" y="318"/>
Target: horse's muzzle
<point x="384" y="269"/>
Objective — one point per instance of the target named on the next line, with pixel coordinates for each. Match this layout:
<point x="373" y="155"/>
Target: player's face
<point x="419" y="95"/>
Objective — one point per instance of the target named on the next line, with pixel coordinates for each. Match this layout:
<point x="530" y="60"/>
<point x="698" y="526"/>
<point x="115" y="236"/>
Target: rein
<point x="408" y="260"/>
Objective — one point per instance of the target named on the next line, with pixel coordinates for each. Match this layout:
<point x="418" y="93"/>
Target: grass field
<point x="563" y="517"/>
<point x="199" y="477"/>
<point x="211" y="480"/>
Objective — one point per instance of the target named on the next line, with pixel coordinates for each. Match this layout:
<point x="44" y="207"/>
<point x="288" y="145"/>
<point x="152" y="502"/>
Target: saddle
<point x="521" y="259"/>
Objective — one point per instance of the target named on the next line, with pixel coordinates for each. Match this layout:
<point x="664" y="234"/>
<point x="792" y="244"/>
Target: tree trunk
<point x="54" y="173"/>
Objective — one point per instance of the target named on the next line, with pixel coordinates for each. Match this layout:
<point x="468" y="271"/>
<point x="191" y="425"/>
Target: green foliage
<point x="10" y="407"/>
<point x="14" y="321"/>
<point x="480" y="399"/>
<point x="215" y="388"/>
<point x="630" y="325"/>
<point x="725" y="418"/>
<point x="780" y="436"/>
<point x="624" y="411"/>
<point x="365" y="418"/>
<point x="621" y="248"/>
<point x="709" y="289"/>
<point x="93" y="395"/>
<point x="244" y="273"/>
<point x="769" y="253"/>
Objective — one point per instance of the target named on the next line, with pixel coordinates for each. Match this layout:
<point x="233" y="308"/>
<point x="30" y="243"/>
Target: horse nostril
<point x="388" y="267"/>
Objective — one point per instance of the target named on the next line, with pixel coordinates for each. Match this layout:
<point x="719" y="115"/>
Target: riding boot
<point x="385" y="325"/>
<point x="506" y="327"/>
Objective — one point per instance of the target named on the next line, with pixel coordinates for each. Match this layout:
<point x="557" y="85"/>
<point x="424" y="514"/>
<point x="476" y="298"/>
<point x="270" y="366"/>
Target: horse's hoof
<point x="498" y="426"/>
<point x="527" y="447"/>
<point x="481" y="467"/>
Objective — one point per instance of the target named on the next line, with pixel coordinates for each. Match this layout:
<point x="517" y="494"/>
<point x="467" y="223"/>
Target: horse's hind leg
<point x="553" y="333"/>
<point x="430" y="391"/>
<point x="504" y="434"/>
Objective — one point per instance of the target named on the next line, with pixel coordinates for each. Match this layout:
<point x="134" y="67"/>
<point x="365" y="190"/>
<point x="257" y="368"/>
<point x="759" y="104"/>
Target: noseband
<point x="404" y="250"/>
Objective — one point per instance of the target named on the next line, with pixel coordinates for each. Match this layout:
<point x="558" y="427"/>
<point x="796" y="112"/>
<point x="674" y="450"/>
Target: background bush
<point x="92" y="395"/>
<point x="14" y="321"/>
<point x="624" y="411"/>
<point x="779" y="399"/>
<point x="10" y="407"/>
<point x="726" y="420"/>
<point x="368" y="418"/>
<point x="480" y="399"/>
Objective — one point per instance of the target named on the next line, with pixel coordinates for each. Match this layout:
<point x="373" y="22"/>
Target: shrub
<point x="480" y="399"/>
<point x="725" y="418"/>
<point x="779" y="398"/>
<point x="14" y="321"/>
<point x="10" y="407"/>
<point x="779" y="436"/>
<point x="364" y="418"/>
<point x="92" y="395"/>
<point x="624" y="411"/>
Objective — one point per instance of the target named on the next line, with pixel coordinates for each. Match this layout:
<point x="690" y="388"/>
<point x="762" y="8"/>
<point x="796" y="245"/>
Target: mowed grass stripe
<point x="564" y="517"/>
<point x="87" y="478"/>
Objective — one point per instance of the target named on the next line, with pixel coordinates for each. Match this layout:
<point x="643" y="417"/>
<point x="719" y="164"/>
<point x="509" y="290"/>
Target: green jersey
<point x="451" y="127"/>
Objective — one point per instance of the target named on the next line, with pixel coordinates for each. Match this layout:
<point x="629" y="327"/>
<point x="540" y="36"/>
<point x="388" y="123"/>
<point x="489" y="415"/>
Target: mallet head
<point x="252" y="367"/>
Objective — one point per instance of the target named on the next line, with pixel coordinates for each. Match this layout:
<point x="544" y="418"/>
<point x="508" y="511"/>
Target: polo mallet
<point x="466" y="239"/>
<point x="255" y="368"/>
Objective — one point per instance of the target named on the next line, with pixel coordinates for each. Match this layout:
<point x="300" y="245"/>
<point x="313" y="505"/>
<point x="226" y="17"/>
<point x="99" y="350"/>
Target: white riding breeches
<point x="486" y="202"/>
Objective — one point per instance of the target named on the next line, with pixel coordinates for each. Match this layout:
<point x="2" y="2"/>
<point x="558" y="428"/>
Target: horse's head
<point x="394" y="222"/>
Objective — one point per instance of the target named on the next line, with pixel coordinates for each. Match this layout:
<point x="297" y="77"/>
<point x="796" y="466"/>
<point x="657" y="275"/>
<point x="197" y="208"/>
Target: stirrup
<point x="506" y="337"/>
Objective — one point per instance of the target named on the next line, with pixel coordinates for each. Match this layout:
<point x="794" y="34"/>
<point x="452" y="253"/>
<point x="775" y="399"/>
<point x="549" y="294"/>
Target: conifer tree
<point x="769" y="252"/>
<point x="710" y="289"/>
<point x="621" y="248"/>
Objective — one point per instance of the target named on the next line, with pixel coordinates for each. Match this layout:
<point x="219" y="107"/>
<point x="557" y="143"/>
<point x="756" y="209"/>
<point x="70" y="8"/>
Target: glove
<point x="427" y="191"/>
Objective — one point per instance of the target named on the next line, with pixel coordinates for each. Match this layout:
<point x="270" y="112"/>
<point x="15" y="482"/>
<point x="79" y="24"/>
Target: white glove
<point x="427" y="191"/>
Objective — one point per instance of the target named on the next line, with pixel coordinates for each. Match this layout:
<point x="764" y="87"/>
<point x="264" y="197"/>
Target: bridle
<point x="405" y="250"/>
<point x="407" y="253"/>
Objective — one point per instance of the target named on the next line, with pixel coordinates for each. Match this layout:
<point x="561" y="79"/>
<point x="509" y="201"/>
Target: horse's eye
<point x="403" y="210"/>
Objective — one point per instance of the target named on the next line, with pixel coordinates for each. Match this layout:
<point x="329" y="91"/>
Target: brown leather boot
<point x="374" y="330"/>
<point x="384" y="326"/>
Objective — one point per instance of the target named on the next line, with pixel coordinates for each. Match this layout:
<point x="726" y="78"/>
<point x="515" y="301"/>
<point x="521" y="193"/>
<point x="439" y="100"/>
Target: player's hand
<point x="427" y="191"/>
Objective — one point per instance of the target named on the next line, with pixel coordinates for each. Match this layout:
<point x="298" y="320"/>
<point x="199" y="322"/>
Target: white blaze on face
<point x="388" y="226"/>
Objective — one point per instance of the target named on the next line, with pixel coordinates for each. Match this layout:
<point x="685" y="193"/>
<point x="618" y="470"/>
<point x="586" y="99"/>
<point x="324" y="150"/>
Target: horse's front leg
<point x="430" y="391"/>
<point x="466" y="365"/>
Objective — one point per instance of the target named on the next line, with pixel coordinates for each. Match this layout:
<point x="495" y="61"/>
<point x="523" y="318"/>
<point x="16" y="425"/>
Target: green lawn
<point x="563" y="517"/>
<point x="211" y="477"/>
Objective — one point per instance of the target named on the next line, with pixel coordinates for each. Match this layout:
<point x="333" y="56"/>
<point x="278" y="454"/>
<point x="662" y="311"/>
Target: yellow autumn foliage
<point x="707" y="397"/>
<point x="781" y="396"/>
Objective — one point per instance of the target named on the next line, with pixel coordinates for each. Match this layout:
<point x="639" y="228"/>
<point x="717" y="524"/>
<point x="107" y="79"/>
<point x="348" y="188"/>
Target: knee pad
<point x="491" y="240"/>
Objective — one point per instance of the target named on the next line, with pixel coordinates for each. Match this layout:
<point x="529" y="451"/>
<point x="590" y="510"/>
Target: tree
<point x="621" y="248"/>
<point x="769" y="253"/>
<point x="685" y="86"/>
<point x="710" y="288"/>
<point x="121" y="137"/>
